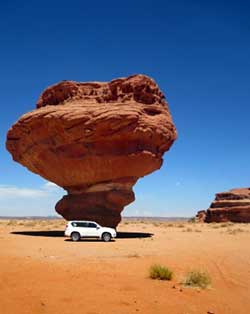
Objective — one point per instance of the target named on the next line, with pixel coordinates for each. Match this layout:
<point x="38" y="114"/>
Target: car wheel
<point x="75" y="236"/>
<point x="106" y="237"/>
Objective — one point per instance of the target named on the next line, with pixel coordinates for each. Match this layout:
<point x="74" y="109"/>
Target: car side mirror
<point x="97" y="228"/>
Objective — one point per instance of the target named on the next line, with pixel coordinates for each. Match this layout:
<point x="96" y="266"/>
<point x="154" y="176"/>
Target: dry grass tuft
<point x="192" y="220"/>
<point x="180" y="226"/>
<point x="160" y="272"/>
<point x="226" y="224"/>
<point x="170" y="225"/>
<point x="30" y="223"/>
<point x="12" y="222"/>
<point x="235" y="231"/>
<point x="187" y="230"/>
<point x="199" y="279"/>
<point x="134" y="255"/>
<point x="156" y="224"/>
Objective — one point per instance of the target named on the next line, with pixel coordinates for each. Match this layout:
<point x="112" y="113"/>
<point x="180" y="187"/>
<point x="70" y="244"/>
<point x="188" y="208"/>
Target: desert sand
<point x="43" y="272"/>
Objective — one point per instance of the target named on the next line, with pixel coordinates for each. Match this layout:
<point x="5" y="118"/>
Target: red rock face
<point x="230" y="206"/>
<point x="95" y="140"/>
<point x="201" y="216"/>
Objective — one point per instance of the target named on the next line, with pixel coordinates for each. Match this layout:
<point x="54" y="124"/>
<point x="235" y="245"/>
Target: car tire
<point x="75" y="236"/>
<point x="106" y="237"/>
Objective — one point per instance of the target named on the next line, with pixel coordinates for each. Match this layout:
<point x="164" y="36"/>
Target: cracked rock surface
<point x="95" y="140"/>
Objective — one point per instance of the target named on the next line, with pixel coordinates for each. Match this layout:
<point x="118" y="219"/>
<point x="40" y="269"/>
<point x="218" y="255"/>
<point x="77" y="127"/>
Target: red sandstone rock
<point x="95" y="140"/>
<point x="201" y="216"/>
<point x="230" y="206"/>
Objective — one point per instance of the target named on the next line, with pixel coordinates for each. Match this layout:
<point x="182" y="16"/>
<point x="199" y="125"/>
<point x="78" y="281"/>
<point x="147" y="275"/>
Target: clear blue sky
<point x="199" y="54"/>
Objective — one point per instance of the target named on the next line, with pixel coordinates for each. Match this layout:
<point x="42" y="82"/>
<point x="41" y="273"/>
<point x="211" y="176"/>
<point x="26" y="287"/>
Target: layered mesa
<point x="233" y="205"/>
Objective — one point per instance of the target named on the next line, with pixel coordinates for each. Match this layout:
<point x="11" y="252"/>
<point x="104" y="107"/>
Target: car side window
<point x="92" y="225"/>
<point x="74" y="224"/>
<point x="82" y="224"/>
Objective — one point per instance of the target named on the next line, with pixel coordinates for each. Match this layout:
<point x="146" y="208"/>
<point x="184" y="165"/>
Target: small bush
<point x="160" y="272"/>
<point x="12" y="222"/>
<point x="135" y="255"/>
<point x="187" y="230"/>
<point x="180" y="226"/>
<point x="215" y="226"/>
<point x="30" y="223"/>
<point x="192" y="220"/>
<point x="157" y="224"/>
<point x="197" y="279"/>
<point x="170" y="225"/>
<point x="234" y="231"/>
<point x="226" y="224"/>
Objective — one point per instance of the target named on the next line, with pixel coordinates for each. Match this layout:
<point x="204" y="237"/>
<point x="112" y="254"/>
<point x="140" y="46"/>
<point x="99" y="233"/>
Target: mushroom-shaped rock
<point x="95" y="140"/>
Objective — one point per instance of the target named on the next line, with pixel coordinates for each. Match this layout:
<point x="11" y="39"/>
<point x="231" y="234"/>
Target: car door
<point x="92" y="229"/>
<point x="82" y="228"/>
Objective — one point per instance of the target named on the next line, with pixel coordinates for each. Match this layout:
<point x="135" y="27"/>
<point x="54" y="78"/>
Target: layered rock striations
<point x="233" y="205"/>
<point x="95" y="140"/>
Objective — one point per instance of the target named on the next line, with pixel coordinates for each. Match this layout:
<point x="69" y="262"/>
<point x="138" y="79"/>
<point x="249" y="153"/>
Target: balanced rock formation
<point x="233" y="205"/>
<point x="95" y="140"/>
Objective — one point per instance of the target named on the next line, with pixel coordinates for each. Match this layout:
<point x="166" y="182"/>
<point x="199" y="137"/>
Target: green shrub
<point x="160" y="272"/>
<point x="197" y="278"/>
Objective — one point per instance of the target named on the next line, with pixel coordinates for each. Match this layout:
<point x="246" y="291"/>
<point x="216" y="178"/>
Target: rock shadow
<point x="60" y="234"/>
<point x="133" y="235"/>
<point x="44" y="233"/>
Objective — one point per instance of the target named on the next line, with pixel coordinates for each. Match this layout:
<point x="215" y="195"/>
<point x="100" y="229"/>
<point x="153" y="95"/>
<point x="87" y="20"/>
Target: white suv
<point x="88" y="229"/>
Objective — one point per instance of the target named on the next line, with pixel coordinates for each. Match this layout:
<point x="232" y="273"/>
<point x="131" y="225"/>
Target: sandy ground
<point x="43" y="272"/>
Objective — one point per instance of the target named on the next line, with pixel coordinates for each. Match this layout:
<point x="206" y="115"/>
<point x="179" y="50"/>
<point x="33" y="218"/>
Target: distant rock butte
<point x="95" y="140"/>
<point x="233" y="205"/>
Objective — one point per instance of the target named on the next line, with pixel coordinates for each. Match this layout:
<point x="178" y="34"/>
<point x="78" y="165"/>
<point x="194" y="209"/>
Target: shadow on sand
<point x="58" y="234"/>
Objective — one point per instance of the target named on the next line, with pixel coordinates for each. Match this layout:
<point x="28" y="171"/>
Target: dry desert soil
<point x="41" y="272"/>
